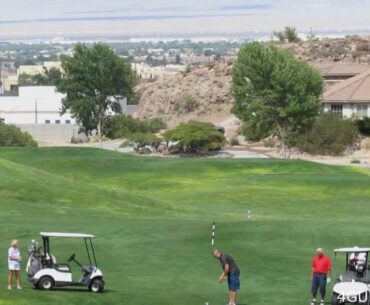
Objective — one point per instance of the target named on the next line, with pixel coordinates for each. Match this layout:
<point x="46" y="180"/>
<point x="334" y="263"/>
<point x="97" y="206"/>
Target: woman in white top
<point x="14" y="264"/>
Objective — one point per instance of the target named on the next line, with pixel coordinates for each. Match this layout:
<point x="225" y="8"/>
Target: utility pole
<point x="35" y="111"/>
<point x="1" y="80"/>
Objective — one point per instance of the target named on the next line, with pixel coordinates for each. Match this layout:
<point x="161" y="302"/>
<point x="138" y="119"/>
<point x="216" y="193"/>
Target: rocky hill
<point x="202" y="93"/>
<point x="344" y="50"/>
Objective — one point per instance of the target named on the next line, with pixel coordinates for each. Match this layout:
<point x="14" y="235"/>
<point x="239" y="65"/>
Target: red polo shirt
<point x="321" y="264"/>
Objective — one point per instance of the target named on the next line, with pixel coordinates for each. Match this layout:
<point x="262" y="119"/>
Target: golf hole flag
<point x="213" y="234"/>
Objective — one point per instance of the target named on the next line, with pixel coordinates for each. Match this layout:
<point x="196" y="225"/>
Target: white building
<point x="34" y="105"/>
<point x="145" y="71"/>
<point x="350" y="98"/>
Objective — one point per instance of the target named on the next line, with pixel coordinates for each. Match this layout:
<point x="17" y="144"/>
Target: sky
<point x="68" y="18"/>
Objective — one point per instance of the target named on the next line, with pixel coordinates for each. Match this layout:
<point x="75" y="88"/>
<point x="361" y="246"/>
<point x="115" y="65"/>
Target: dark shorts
<point x="233" y="280"/>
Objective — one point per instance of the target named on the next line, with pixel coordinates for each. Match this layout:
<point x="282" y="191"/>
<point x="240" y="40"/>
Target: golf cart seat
<point x="87" y="269"/>
<point x="62" y="268"/>
<point x="347" y="276"/>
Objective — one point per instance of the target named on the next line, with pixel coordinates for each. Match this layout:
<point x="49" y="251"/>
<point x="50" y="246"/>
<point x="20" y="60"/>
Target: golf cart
<point x="45" y="273"/>
<point x="353" y="284"/>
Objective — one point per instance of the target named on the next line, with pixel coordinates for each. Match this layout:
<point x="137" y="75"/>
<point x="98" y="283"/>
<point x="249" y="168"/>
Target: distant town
<point x="150" y="60"/>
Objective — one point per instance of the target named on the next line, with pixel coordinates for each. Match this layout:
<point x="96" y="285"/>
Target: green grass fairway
<point x="153" y="220"/>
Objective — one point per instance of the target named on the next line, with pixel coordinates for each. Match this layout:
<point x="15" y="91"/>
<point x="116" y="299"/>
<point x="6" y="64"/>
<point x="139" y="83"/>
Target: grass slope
<point x="153" y="219"/>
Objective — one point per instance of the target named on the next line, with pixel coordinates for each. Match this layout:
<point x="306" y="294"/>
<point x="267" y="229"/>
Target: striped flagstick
<point x="213" y="233"/>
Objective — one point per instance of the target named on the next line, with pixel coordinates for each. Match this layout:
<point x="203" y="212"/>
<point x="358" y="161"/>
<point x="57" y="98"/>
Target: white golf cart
<point x="353" y="284"/>
<point x="45" y="273"/>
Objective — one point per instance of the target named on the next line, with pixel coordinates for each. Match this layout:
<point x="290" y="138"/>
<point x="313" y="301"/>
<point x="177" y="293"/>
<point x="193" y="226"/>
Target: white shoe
<point x="322" y="302"/>
<point x="313" y="302"/>
<point x="9" y="287"/>
<point x="19" y="287"/>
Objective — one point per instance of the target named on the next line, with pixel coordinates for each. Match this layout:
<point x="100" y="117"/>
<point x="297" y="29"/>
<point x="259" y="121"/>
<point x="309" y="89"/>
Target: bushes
<point x="188" y="104"/>
<point x="122" y="126"/>
<point x="330" y="135"/>
<point x="12" y="136"/>
<point x="155" y="125"/>
<point x="142" y="139"/>
<point x="195" y="137"/>
<point x="364" y="126"/>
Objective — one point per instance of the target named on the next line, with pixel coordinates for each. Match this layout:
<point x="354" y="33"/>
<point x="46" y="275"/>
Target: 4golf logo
<point x="353" y="297"/>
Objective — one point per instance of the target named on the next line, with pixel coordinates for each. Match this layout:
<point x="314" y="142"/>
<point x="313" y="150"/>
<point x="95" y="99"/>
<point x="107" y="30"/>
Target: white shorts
<point x="14" y="267"/>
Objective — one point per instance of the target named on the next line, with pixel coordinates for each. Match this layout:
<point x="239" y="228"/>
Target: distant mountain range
<point x="199" y="36"/>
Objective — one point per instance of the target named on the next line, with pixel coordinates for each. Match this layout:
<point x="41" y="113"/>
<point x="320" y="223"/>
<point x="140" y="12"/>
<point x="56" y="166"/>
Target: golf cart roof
<point x="352" y="250"/>
<point x="73" y="235"/>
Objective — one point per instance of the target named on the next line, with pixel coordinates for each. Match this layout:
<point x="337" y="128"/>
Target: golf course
<point x="153" y="219"/>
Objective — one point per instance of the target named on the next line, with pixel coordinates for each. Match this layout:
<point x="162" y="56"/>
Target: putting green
<point x="153" y="220"/>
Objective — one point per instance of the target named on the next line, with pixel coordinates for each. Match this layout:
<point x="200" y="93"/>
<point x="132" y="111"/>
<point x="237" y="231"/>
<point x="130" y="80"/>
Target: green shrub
<point x="186" y="71"/>
<point x="155" y="125"/>
<point x="234" y="142"/>
<point x="141" y="139"/>
<point x="12" y="136"/>
<point x="122" y="126"/>
<point x="188" y="104"/>
<point x="196" y="137"/>
<point x="329" y="135"/>
<point x="364" y="126"/>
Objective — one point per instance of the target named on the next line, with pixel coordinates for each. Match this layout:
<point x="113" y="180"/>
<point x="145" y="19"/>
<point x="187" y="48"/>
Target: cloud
<point x="250" y="6"/>
<point x="118" y="18"/>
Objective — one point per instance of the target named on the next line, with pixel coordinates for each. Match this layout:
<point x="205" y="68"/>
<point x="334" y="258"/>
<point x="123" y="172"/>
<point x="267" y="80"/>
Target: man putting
<point x="231" y="271"/>
<point x="321" y="269"/>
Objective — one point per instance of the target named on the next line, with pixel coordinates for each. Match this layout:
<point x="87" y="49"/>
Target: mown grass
<point x="153" y="219"/>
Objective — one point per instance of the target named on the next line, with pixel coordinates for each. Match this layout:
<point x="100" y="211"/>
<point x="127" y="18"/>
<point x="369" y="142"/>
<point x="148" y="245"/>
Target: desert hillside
<point x="204" y="93"/>
<point x="343" y="50"/>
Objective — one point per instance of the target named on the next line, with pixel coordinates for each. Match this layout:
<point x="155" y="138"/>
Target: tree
<point x="289" y="34"/>
<point x="196" y="137"/>
<point x="25" y="80"/>
<point x="50" y="77"/>
<point x="275" y="94"/>
<point x="280" y="36"/>
<point x="95" y="80"/>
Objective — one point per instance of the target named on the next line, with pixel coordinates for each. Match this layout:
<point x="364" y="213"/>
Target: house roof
<point x="335" y="69"/>
<point x="355" y="89"/>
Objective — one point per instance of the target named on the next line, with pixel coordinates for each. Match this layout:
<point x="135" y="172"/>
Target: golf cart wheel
<point x="97" y="285"/>
<point x="46" y="283"/>
<point x="364" y="299"/>
<point x="335" y="300"/>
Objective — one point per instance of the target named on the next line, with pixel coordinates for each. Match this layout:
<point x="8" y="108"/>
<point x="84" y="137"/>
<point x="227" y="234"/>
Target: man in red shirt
<point x="321" y="271"/>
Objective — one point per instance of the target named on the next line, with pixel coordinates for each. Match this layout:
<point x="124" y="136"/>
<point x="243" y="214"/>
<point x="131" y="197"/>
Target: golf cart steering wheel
<point x="72" y="257"/>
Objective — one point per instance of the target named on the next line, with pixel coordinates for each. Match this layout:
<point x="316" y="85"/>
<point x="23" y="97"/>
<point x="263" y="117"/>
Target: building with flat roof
<point x="34" y="105"/>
